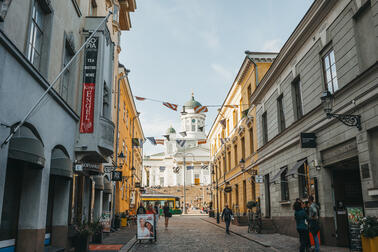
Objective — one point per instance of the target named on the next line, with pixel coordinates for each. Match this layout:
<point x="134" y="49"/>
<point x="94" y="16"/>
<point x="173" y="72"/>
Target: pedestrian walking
<point x="141" y="209"/>
<point x="227" y="216"/>
<point x="157" y="215"/>
<point x="313" y="221"/>
<point x="167" y="214"/>
<point x="150" y="210"/>
<point x="300" y="219"/>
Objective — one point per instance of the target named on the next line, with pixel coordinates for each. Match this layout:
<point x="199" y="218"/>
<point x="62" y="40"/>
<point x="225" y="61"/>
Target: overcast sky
<point x="176" y="47"/>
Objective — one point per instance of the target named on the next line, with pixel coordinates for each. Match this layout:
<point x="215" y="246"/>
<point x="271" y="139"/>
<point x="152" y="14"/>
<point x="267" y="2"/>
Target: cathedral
<point x="166" y="169"/>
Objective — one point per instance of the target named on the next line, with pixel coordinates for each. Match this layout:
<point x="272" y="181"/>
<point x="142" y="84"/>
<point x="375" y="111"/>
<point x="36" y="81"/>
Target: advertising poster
<point x="105" y="221"/>
<point x="354" y="216"/>
<point x="146" y="227"/>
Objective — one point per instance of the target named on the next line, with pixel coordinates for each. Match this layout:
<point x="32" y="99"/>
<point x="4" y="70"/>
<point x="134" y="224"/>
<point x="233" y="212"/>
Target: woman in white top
<point x="143" y="231"/>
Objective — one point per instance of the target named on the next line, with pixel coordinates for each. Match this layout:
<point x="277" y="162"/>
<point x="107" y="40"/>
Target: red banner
<point x="87" y="108"/>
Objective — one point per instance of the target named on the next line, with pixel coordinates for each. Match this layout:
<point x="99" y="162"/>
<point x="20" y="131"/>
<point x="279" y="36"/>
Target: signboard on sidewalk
<point x="105" y="221"/>
<point x="146" y="227"/>
<point x="354" y="216"/>
<point x="89" y="87"/>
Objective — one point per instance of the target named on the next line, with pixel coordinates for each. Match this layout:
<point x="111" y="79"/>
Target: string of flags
<point x="180" y="142"/>
<point x="197" y="109"/>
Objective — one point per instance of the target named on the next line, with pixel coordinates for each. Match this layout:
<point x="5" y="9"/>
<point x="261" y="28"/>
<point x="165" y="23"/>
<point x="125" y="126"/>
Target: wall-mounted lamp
<point x="315" y="163"/>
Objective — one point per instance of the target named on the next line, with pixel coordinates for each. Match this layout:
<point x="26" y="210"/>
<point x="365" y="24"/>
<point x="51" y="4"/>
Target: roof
<point x="192" y="103"/>
<point x="171" y="130"/>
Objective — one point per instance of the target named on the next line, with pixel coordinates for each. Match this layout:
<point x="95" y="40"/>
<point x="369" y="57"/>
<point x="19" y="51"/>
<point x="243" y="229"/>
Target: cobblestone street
<point x="191" y="233"/>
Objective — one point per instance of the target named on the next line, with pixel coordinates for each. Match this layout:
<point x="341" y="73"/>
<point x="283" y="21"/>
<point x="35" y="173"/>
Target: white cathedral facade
<point x="167" y="168"/>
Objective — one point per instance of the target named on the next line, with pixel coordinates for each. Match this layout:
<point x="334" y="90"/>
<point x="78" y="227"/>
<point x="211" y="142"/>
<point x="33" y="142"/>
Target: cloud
<point x="273" y="45"/>
<point x="211" y="39"/>
<point x="222" y="71"/>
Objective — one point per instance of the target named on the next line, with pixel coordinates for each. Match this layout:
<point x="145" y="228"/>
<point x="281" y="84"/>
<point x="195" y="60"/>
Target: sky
<point x="176" y="47"/>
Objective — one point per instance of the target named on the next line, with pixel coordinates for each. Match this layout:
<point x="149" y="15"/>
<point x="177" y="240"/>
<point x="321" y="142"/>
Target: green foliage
<point x="369" y="226"/>
<point x="83" y="229"/>
<point x="96" y="226"/>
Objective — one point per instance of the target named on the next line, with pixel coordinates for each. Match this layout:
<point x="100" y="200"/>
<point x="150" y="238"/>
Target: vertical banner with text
<point x="89" y="87"/>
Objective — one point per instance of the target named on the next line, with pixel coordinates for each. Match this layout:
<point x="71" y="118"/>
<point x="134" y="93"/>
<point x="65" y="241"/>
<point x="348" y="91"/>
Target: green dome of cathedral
<point x="171" y="130"/>
<point x="192" y="103"/>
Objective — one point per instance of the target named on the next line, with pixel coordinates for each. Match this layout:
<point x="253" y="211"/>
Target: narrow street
<point x="191" y="233"/>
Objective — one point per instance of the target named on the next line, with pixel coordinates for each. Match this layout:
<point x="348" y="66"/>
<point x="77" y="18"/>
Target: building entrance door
<point x="347" y="193"/>
<point x="267" y="196"/>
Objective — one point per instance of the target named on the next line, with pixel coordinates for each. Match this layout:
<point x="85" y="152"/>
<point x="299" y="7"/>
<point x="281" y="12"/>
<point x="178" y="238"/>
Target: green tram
<point x="173" y="202"/>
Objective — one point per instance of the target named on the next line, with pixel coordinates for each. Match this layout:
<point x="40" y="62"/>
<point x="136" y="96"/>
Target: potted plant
<point x="96" y="228"/>
<point x="82" y="234"/>
<point x="369" y="233"/>
<point x="123" y="219"/>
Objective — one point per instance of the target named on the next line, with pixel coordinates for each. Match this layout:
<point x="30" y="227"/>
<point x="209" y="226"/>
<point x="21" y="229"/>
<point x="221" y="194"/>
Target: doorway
<point x="347" y="193"/>
<point x="267" y="196"/>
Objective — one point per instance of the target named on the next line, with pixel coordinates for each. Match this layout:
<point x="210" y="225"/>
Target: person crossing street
<point x="227" y="216"/>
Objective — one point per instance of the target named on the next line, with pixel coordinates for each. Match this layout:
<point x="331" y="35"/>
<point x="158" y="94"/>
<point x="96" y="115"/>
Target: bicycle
<point x="254" y="221"/>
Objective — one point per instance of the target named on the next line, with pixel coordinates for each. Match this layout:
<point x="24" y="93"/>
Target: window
<point x="36" y="35"/>
<point x="243" y="147"/>
<point x="124" y="111"/>
<point x="249" y="93"/>
<point x="92" y="8"/>
<point x="105" y="102"/>
<point x="127" y="118"/>
<point x="280" y="114"/>
<point x="196" y="179"/>
<point x="236" y="154"/>
<point x="251" y="146"/>
<point x="115" y="13"/>
<point x="330" y="71"/>
<point x="237" y="195"/>
<point x="228" y="127"/>
<point x="264" y="127"/>
<point x="66" y="80"/>
<point x="229" y="160"/>
<point x="297" y="98"/>
<point x="235" y="117"/>
<point x="253" y="189"/>
<point x="161" y="181"/>
<point x="302" y="181"/>
<point x="284" y="185"/>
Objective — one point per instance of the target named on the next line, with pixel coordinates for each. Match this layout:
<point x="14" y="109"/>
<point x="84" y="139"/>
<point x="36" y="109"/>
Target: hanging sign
<point x="228" y="189"/>
<point x="88" y="95"/>
<point x="259" y="178"/>
<point x="117" y="176"/>
<point x="308" y="140"/>
<point x="137" y="184"/>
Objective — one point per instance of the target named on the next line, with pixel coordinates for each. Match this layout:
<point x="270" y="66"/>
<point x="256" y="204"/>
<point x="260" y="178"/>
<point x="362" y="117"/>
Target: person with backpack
<point x="141" y="209"/>
<point x="227" y="216"/>
<point x="167" y="214"/>
<point x="313" y="221"/>
<point x="302" y="229"/>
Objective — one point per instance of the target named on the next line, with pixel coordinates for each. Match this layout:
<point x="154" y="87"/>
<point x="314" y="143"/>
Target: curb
<point x="241" y="235"/>
<point x="128" y="246"/>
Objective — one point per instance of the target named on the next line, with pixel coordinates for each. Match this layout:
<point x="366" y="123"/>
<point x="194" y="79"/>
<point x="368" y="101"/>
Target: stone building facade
<point x="334" y="49"/>
<point x="52" y="165"/>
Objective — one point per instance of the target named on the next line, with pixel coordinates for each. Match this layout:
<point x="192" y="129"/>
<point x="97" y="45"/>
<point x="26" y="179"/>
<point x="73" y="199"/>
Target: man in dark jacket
<point x="227" y="216"/>
<point x="141" y="209"/>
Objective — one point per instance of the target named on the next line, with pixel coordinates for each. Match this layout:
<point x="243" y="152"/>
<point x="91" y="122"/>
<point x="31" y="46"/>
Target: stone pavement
<point x="116" y="240"/>
<point x="191" y="233"/>
<point x="277" y="242"/>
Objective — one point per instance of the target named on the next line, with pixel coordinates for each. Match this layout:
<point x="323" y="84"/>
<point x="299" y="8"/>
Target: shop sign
<point x="308" y="140"/>
<point x="117" y="176"/>
<point x="355" y="214"/>
<point x="228" y="189"/>
<point x="108" y="168"/>
<point x="137" y="184"/>
<point x="79" y="167"/>
<point x="259" y="179"/>
<point x="89" y="87"/>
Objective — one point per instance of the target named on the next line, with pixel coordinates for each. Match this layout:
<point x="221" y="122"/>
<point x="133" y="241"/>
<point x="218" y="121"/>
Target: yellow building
<point x="233" y="138"/>
<point x="129" y="158"/>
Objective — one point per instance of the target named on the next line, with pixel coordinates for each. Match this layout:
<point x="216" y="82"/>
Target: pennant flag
<point x="202" y="141"/>
<point x="141" y="142"/>
<point x="135" y="142"/>
<point x="159" y="141"/>
<point x="231" y="106"/>
<point x="199" y="109"/>
<point x="140" y="98"/>
<point x="223" y="140"/>
<point x="204" y="167"/>
<point x="201" y="128"/>
<point x="166" y="136"/>
<point x="170" y="105"/>
<point x="223" y="123"/>
<point x="181" y="142"/>
<point x="152" y="140"/>
<point x="176" y="169"/>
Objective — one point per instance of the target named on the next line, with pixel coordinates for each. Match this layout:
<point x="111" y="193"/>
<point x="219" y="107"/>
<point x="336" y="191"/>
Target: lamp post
<point x="350" y="120"/>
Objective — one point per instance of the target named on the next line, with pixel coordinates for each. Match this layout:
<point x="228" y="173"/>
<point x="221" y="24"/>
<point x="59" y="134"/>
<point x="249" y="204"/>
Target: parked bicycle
<point x="254" y="218"/>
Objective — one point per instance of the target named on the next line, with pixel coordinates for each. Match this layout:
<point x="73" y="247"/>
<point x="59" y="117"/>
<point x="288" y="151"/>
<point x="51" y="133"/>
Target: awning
<point x="61" y="164"/>
<point x="26" y="146"/>
<point x="278" y="175"/>
<point x="99" y="182"/>
<point x="107" y="186"/>
<point x="294" y="170"/>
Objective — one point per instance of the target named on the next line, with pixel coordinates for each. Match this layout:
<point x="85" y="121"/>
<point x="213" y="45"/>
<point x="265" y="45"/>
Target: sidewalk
<point x="278" y="242"/>
<point x="116" y="240"/>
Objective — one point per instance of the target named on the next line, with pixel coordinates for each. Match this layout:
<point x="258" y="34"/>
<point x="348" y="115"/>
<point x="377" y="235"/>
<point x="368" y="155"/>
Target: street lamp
<point x="350" y="120"/>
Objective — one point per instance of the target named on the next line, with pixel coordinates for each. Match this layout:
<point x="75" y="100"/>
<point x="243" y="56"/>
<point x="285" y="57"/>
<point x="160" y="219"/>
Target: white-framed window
<point x="36" y="35"/>
<point x="330" y="75"/>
